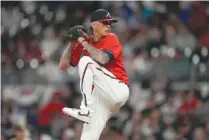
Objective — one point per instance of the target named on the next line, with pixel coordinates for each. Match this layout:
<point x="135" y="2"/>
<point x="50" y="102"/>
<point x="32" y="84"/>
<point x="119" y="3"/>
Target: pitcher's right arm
<point x="66" y="56"/>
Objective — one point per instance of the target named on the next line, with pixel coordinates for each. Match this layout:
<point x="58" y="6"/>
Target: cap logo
<point x="108" y="15"/>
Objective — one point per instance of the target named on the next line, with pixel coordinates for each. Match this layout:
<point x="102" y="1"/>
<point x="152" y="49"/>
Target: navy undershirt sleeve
<point x="110" y="55"/>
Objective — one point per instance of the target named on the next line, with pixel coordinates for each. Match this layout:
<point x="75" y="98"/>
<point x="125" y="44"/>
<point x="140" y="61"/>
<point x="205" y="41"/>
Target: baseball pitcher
<point x="103" y="78"/>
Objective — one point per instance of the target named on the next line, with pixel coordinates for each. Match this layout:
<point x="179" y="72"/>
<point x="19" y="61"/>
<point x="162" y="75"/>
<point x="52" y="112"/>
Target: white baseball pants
<point x="107" y="92"/>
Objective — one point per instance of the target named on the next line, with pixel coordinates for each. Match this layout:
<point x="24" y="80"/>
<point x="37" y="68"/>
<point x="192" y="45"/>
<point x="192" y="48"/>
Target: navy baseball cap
<point x="102" y="15"/>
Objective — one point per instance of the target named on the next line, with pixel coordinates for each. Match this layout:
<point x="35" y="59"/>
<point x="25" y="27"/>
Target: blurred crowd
<point x="165" y="47"/>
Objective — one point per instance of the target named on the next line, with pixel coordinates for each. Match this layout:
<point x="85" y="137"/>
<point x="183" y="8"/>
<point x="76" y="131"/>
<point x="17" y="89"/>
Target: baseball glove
<point x="77" y="31"/>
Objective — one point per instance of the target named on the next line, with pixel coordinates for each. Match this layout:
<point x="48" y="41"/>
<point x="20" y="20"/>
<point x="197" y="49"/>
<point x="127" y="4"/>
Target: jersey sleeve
<point x="112" y="46"/>
<point x="75" y="55"/>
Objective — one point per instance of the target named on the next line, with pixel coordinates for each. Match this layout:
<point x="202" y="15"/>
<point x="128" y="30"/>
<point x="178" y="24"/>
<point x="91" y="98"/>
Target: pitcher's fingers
<point x="85" y="34"/>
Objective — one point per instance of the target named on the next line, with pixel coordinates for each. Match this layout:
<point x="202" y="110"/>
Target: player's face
<point x="19" y="134"/>
<point x="103" y="27"/>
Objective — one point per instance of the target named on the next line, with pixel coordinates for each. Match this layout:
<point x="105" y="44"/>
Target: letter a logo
<point x="108" y="15"/>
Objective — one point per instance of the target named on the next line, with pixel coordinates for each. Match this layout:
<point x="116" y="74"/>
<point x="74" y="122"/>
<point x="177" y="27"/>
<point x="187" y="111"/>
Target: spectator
<point x="154" y="32"/>
<point x="141" y="94"/>
<point x="169" y="112"/>
<point x="156" y="124"/>
<point x="183" y="39"/>
<point x="132" y="126"/>
<point x="198" y="18"/>
<point x="78" y="129"/>
<point x="188" y="106"/>
<point x="47" y="112"/>
<point x="204" y="39"/>
<point x="202" y="112"/>
<point x="199" y="134"/>
<point x="206" y="128"/>
<point x="143" y="65"/>
<point x="6" y="123"/>
<point x="109" y="134"/>
<point x="20" y="134"/>
<point x="184" y="131"/>
<point x="169" y="133"/>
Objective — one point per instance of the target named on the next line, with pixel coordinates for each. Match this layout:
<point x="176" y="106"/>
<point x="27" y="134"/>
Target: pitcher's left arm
<point x="96" y="54"/>
<point x="109" y="52"/>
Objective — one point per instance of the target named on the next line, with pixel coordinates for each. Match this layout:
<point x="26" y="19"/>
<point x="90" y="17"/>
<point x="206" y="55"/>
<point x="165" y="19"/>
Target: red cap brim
<point x="109" y="19"/>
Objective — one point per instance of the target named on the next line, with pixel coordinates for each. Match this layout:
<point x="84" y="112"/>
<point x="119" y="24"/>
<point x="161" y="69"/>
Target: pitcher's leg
<point x="86" y="74"/>
<point x="86" y="84"/>
<point x="94" y="128"/>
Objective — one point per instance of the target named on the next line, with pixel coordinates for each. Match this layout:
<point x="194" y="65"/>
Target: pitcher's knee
<point x="85" y="60"/>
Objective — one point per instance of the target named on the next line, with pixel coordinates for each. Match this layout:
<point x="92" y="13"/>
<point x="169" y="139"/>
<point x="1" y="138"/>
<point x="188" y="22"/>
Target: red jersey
<point x="111" y="44"/>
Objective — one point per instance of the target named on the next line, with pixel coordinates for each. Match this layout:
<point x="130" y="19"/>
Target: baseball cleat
<point x="77" y="113"/>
